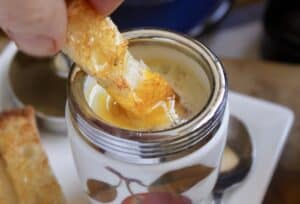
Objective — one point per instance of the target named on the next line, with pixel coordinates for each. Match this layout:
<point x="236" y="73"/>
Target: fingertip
<point x="36" y="45"/>
<point x="57" y="25"/>
<point x="39" y="30"/>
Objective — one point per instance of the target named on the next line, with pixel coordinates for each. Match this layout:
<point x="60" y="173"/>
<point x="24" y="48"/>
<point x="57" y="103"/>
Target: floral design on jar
<point x="168" y="188"/>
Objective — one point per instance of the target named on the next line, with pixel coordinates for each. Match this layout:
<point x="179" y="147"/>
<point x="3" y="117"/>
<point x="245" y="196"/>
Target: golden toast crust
<point x="25" y="160"/>
<point x="96" y="45"/>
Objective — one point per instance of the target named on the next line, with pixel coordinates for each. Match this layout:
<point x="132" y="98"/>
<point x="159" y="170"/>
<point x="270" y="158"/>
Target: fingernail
<point x="38" y="45"/>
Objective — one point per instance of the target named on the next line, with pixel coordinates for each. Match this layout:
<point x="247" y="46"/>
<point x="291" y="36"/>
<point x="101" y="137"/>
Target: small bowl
<point x="40" y="82"/>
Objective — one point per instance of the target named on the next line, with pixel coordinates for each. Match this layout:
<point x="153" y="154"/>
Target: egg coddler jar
<point x="178" y="165"/>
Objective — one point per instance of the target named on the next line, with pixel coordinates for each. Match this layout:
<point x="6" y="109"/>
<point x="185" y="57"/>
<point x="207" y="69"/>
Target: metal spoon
<point x="240" y="143"/>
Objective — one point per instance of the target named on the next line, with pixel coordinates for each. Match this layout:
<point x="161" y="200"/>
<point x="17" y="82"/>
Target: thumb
<point x="37" y="26"/>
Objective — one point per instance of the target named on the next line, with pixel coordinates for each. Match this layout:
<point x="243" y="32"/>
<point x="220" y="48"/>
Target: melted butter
<point x="162" y="115"/>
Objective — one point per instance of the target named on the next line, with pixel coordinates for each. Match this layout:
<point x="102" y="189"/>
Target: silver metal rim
<point x="157" y="146"/>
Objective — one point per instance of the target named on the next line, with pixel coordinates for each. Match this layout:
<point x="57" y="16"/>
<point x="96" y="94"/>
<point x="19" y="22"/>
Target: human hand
<point x="39" y="26"/>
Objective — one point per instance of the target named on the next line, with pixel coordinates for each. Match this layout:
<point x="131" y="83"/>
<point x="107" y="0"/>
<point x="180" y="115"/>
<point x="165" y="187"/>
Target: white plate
<point x="267" y="123"/>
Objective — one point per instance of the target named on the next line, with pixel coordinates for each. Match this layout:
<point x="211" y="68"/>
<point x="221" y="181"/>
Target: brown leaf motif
<point x="101" y="191"/>
<point x="180" y="180"/>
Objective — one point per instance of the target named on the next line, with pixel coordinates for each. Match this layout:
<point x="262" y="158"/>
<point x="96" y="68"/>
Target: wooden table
<point x="279" y="83"/>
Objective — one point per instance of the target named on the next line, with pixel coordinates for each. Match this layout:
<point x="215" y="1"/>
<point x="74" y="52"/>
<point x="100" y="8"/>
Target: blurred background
<point x="259" y="43"/>
<point x="250" y="28"/>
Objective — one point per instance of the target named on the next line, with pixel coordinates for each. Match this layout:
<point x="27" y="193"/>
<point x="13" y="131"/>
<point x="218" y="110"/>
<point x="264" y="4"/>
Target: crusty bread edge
<point x="27" y="112"/>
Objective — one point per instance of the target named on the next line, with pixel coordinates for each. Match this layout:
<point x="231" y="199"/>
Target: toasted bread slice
<point x="25" y="161"/>
<point x="96" y="45"/>
<point x="7" y="192"/>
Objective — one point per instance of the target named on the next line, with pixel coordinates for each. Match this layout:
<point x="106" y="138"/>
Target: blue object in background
<point x="177" y="15"/>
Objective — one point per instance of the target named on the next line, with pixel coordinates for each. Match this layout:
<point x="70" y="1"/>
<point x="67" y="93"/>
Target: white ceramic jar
<point x="179" y="165"/>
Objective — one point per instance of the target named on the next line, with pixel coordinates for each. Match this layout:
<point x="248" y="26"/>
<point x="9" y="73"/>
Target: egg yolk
<point x="162" y="115"/>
